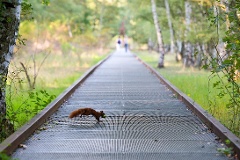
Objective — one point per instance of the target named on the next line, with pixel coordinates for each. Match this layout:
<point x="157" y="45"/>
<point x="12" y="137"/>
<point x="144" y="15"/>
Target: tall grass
<point x="196" y="83"/>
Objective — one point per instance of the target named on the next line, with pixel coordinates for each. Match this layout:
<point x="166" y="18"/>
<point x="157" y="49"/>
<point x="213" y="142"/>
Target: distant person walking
<point x="126" y="43"/>
<point x="118" y="44"/>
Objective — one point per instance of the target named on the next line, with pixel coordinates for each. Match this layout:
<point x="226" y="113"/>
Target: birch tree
<point x="159" y="35"/>
<point x="187" y="59"/>
<point x="170" y="26"/>
<point x="9" y="24"/>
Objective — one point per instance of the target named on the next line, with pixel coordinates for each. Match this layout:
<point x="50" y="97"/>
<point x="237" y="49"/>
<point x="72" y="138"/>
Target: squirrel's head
<point x="103" y="114"/>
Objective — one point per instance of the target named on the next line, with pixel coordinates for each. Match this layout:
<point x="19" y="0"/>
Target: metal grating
<point x="144" y="121"/>
<point x="120" y="145"/>
<point x="122" y="156"/>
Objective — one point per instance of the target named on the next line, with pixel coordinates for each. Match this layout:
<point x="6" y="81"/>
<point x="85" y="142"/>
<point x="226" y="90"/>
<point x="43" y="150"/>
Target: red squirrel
<point x="87" y="111"/>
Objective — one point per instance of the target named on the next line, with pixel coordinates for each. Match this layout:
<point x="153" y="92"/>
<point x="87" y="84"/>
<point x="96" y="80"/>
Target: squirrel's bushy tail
<point x="74" y="113"/>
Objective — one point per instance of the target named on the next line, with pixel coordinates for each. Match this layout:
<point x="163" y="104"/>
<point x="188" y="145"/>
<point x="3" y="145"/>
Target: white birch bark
<point x="170" y="26"/>
<point x="8" y="34"/>
<point x="159" y="35"/>
<point x="187" y="59"/>
<point x="220" y="43"/>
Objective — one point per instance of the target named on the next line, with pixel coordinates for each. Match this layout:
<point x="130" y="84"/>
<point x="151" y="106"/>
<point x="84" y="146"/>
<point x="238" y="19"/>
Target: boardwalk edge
<point x="213" y="124"/>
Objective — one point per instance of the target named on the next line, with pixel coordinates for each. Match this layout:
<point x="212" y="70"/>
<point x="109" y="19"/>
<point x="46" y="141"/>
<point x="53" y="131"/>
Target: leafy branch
<point x="226" y="66"/>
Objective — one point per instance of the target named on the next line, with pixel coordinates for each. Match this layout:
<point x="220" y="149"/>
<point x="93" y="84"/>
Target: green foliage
<point x="226" y="151"/>
<point x="46" y="2"/>
<point x="39" y="100"/>
<point x="28" y="105"/>
<point x="226" y="67"/>
<point x="26" y="10"/>
<point x="5" y="157"/>
<point x="81" y="17"/>
<point x="141" y="26"/>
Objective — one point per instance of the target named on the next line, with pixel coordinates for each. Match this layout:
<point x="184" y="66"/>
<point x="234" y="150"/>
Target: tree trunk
<point x="220" y="44"/>
<point x="188" y="57"/>
<point x="170" y="27"/>
<point x="8" y="33"/>
<point x="159" y="36"/>
<point x="179" y="50"/>
<point x="198" y="62"/>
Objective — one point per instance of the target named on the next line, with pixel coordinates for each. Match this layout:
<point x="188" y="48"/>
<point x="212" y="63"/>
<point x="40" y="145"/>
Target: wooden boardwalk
<point x="144" y="121"/>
